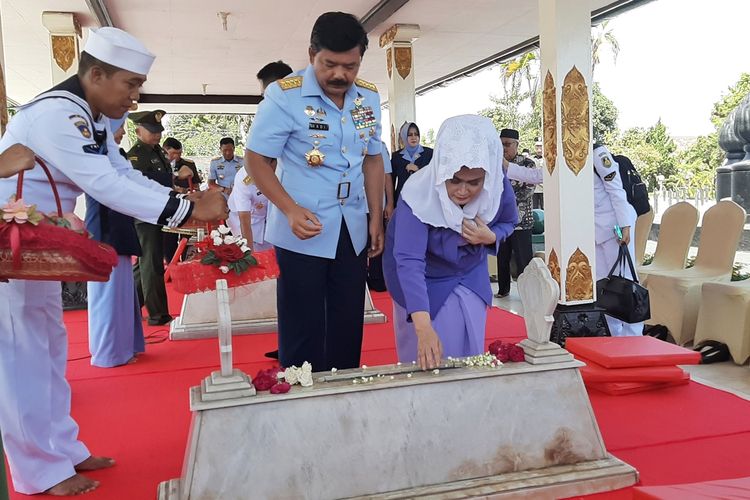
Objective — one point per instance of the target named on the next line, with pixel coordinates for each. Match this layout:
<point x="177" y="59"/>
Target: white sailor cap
<point x="120" y="49"/>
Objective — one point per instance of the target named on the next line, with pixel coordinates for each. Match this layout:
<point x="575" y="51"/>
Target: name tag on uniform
<point x="363" y="117"/>
<point x="318" y="126"/>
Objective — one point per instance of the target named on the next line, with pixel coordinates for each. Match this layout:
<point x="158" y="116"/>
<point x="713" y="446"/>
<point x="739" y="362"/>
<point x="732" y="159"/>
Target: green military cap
<point x="150" y="120"/>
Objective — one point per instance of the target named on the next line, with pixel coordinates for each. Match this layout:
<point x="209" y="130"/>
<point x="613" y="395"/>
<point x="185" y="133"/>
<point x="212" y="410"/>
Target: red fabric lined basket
<point x="49" y="252"/>
<point x="193" y="276"/>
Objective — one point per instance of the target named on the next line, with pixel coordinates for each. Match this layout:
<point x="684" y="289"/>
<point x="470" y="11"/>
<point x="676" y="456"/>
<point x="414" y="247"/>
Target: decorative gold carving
<point x="549" y="126"/>
<point x="389" y="60"/>
<point x="579" y="284"/>
<point x="388" y="35"/>
<point x="64" y="51"/>
<point x="393" y="138"/>
<point x="403" y="61"/>
<point x="576" y="135"/>
<point x="554" y="266"/>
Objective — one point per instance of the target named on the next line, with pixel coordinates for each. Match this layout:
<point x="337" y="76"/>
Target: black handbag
<point x="621" y="297"/>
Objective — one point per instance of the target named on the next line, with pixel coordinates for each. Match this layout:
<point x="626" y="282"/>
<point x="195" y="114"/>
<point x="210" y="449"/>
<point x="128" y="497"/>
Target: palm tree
<point x="524" y="67"/>
<point x="602" y="35"/>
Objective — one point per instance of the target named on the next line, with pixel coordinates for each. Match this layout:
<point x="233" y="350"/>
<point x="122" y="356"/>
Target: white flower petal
<point x="218" y="241"/>
<point x="215" y="234"/>
<point x="223" y="229"/>
<point x="228" y="240"/>
<point x="245" y="248"/>
<point x="224" y="269"/>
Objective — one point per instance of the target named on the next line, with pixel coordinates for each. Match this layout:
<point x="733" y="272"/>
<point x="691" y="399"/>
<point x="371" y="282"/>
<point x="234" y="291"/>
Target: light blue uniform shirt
<point x="223" y="171"/>
<point x="300" y="119"/>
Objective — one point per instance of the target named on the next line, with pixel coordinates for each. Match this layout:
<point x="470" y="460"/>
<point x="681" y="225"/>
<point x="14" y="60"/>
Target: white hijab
<point x="465" y="140"/>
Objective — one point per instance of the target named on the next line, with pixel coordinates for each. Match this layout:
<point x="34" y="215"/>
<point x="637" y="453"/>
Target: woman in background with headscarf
<point x="449" y="217"/>
<point x="115" y="324"/>
<point x="410" y="158"/>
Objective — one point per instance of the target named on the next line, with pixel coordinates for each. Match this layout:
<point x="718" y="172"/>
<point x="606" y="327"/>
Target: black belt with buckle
<point x="343" y="191"/>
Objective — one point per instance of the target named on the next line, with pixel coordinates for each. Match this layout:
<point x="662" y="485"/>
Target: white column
<point x="565" y="42"/>
<point x="64" y="32"/>
<point x="397" y="42"/>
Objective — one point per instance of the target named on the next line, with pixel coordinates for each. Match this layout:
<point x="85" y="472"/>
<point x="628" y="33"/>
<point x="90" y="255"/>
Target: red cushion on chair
<point x="628" y="352"/>
<point x="622" y="388"/>
<point x="594" y="372"/>
<point x="725" y="488"/>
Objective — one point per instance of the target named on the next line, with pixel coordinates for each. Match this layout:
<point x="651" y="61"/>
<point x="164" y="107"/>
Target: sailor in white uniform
<point x="68" y="128"/>
<point x="611" y="208"/>
<point x="248" y="208"/>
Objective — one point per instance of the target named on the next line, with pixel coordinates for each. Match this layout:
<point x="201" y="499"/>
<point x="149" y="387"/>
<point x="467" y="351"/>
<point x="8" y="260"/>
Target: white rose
<point x="218" y="241"/>
<point x="224" y="269"/>
<point x="305" y="379"/>
<point x="291" y="375"/>
<point x="223" y="229"/>
<point x="241" y="241"/>
<point x="306" y="367"/>
<point x="228" y="240"/>
<point x="215" y="234"/>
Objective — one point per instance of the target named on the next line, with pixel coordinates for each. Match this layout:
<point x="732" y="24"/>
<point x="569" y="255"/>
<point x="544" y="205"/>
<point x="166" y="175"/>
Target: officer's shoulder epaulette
<point x="132" y="158"/>
<point x="291" y="82"/>
<point x="365" y="85"/>
<point x="247" y="180"/>
<point x="215" y="158"/>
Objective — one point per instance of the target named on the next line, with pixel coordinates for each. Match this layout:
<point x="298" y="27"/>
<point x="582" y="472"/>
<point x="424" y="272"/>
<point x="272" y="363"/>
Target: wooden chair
<point x="675" y="295"/>
<point x="676" y="232"/>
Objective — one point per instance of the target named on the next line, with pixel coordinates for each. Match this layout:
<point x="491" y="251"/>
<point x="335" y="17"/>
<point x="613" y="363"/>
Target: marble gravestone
<point x="520" y="430"/>
<point x="253" y="309"/>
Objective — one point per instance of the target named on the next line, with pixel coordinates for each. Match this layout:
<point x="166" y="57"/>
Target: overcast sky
<point x="676" y="59"/>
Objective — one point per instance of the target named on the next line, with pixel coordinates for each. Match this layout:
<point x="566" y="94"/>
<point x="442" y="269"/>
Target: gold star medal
<point x="315" y="157"/>
<point x="309" y="111"/>
<point x="606" y="161"/>
<point x="358" y="100"/>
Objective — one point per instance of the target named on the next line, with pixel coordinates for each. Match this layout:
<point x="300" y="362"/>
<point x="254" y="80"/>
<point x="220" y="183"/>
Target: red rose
<point x="228" y="253"/>
<point x="265" y="379"/>
<point x="495" y="347"/>
<point x="280" y="388"/>
<point x="517" y="354"/>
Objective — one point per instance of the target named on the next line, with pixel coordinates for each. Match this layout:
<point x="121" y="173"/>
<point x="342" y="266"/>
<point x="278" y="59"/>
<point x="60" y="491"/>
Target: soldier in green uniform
<point x="148" y="157"/>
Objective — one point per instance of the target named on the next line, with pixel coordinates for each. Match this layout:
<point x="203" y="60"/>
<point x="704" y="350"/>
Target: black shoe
<point x="499" y="295"/>
<point x="162" y="320"/>
<point x="272" y="354"/>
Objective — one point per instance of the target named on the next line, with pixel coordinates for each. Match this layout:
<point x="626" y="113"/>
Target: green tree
<point x="200" y="133"/>
<point x="602" y="36"/>
<point x="604" y="116"/>
<point x="429" y="138"/>
<point x="728" y="102"/>
<point x="505" y="113"/>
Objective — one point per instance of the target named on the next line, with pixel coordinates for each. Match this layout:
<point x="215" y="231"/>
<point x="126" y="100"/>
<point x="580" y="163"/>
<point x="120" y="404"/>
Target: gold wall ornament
<point x="549" y="126"/>
<point x="554" y="266"/>
<point x="403" y="61"/>
<point x="388" y="35"/>
<point x="579" y="285"/>
<point x="576" y="134"/>
<point x="64" y="51"/>
<point x="393" y="138"/>
<point x="389" y="61"/>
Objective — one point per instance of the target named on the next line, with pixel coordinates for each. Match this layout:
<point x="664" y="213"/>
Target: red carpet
<point x="139" y="413"/>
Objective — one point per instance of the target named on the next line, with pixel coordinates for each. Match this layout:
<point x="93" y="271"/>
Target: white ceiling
<point x="193" y="49"/>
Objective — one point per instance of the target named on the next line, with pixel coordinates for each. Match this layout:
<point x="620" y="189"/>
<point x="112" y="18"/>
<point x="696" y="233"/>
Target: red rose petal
<point x="280" y="388"/>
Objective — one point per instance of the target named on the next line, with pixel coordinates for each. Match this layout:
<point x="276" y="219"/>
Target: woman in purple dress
<point x="450" y="216"/>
